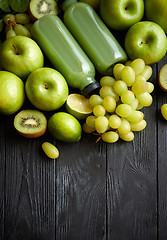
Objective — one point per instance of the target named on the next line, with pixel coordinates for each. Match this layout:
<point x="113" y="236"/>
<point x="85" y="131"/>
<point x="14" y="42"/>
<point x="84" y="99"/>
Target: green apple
<point x="20" y="55"/>
<point x="146" y="40"/>
<point x="156" y="11"/>
<point x="12" y="93"/>
<point x="46" y="89"/>
<point x="121" y="14"/>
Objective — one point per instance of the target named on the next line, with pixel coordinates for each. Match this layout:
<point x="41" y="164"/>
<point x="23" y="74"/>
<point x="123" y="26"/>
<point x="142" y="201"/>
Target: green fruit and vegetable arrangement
<point x="65" y="55"/>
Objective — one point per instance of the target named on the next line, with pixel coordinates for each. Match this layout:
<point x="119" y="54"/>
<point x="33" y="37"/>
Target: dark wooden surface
<point x="93" y="191"/>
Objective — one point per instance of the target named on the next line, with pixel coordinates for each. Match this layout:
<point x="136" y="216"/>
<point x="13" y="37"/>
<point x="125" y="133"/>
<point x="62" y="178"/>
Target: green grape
<point x="140" y="86"/>
<point x="28" y="26"/>
<point x="21" y="30"/>
<point x="138" y="126"/>
<point x="114" y="121"/>
<point x="135" y="116"/>
<point x="128" y="75"/>
<point x="7" y="28"/>
<point x="117" y="70"/>
<point x="22" y="18"/>
<point x="108" y="116"/>
<point x="123" y="110"/>
<point x="134" y="104"/>
<point x="138" y="66"/>
<point x="8" y="17"/>
<point x="125" y="127"/>
<point x="128" y="63"/>
<point x="120" y="87"/>
<point x="99" y="110"/>
<point x="147" y="72"/>
<point x="150" y="87"/>
<point x="127" y="97"/>
<point x="108" y="91"/>
<point x="95" y="100"/>
<point x="87" y="129"/>
<point x="90" y="121"/>
<point x="107" y="81"/>
<point x="109" y="104"/>
<point x="50" y="150"/>
<point x="101" y="124"/>
<point x="140" y="77"/>
<point x="110" y="137"/>
<point x="10" y="33"/>
<point x="139" y="107"/>
<point x="127" y="137"/>
<point x="145" y="99"/>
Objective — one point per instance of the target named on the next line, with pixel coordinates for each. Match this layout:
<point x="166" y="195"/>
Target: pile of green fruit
<point x="112" y="113"/>
<point x="116" y="110"/>
<point x="18" y="24"/>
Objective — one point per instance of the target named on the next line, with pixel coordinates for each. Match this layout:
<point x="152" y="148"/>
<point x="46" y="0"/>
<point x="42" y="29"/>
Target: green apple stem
<point x="144" y="42"/>
<point x="17" y="51"/>
<point x="11" y="23"/>
<point x="126" y="8"/>
<point x="46" y="86"/>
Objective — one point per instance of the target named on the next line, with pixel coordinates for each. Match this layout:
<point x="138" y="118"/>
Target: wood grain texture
<point x="30" y="191"/>
<point x="81" y="182"/>
<point x="2" y="174"/>
<point x="162" y="161"/>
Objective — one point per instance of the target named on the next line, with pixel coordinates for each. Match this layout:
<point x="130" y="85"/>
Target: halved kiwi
<point x="30" y="123"/>
<point x="39" y="8"/>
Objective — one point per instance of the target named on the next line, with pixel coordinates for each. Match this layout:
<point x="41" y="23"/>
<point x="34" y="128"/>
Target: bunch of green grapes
<point x="18" y="24"/>
<point x="116" y="110"/>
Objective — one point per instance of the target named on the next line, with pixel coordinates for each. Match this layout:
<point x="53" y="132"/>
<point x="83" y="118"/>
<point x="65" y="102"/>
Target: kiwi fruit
<point x="39" y="8"/>
<point x="30" y="123"/>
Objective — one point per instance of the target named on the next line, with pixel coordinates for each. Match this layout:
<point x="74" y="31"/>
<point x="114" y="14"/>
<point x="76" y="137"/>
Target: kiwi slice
<point x="39" y="8"/>
<point x="30" y="123"/>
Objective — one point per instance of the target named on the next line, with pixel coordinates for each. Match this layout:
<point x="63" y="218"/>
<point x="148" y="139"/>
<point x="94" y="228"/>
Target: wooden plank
<point x="2" y="174"/>
<point x="81" y="183"/>
<point x="42" y="204"/>
<point x="162" y="161"/>
<point x="30" y="190"/>
<point x="132" y="183"/>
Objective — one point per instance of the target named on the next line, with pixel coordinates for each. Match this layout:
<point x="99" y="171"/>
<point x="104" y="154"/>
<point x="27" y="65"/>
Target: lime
<point x="64" y="127"/>
<point x="78" y="106"/>
<point x="163" y="78"/>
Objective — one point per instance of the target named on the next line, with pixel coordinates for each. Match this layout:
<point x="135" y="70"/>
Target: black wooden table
<point x="93" y="191"/>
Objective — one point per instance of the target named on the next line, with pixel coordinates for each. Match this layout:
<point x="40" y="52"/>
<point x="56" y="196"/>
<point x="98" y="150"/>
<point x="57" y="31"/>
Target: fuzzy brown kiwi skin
<point x="33" y="135"/>
<point x="164" y="89"/>
<point x="32" y="17"/>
